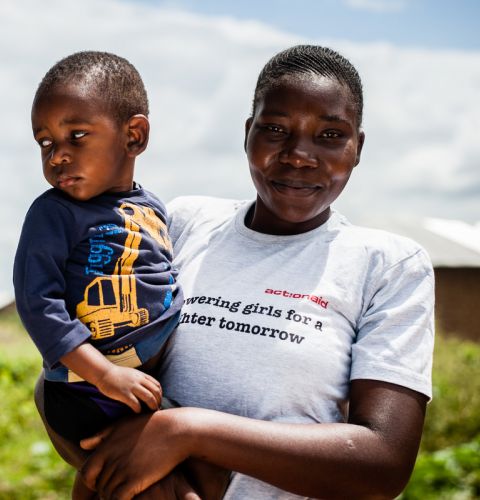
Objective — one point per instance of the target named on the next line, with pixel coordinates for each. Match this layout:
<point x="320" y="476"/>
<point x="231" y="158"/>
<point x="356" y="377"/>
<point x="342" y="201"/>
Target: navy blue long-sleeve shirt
<point x="97" y="270"/>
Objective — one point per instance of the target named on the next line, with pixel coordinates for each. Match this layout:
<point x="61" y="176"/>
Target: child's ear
<point x="138" y="130"/>
<point x="361" y="141"/>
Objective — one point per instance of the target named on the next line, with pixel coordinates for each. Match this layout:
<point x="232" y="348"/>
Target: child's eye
<point x="44" y="143"/>
<point x="78" y="134"/>
<point x="275" y="128"/>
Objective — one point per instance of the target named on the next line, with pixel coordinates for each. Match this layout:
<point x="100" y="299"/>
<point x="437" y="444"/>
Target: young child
<point x="94" y="282"/>
<point x="93" y="274"/>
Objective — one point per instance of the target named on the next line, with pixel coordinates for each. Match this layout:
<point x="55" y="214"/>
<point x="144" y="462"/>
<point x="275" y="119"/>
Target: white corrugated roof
<point x="467" y="235"/>
<point x="450" y="243"/>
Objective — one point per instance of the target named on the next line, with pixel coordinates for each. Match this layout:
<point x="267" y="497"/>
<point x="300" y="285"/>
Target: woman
<point x="302" y="360"/>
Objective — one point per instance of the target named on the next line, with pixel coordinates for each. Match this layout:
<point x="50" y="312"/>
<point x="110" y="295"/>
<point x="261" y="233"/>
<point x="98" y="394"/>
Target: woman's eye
<point x="330" y="134"/>
<point x="44" y="143"/>
<point x="78" y="134"/>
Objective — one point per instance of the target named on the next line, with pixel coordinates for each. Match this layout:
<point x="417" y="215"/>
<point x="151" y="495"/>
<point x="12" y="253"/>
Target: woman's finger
<point x="163" y="490"/>
<point x="91" y="469"/>
<point x="92" y="442"/>
<point x="108" y="479"/>
<point x="183" y="489"/>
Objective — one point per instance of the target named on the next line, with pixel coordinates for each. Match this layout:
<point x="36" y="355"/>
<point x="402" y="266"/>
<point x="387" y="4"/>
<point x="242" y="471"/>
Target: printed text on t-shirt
<point x="293" y="295"/>
<point x="235" y="307"/>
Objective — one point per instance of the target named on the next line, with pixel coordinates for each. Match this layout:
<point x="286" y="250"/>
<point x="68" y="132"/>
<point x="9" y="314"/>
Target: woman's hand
<point x="136" y="453"/>
<point x="172" y="487"/>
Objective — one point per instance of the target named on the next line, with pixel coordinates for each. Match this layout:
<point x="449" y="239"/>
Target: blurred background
<point x="419" y="175"/>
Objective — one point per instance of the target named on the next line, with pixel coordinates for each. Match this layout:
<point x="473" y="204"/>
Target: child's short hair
<point x="114" y="79"/>
<point x="313" y="59"/>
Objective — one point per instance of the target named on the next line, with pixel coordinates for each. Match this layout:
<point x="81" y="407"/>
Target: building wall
<point x="457" y="295"/>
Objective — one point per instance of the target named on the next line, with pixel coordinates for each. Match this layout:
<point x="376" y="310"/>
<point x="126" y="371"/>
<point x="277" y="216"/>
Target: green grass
<point x="29" y="466"/>
<point x="449" y="474"/>
<point x="453" y="416"/>
<point x="448" y="467"/>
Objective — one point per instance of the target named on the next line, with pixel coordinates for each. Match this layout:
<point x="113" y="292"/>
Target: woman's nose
<point x="299" y="153"/>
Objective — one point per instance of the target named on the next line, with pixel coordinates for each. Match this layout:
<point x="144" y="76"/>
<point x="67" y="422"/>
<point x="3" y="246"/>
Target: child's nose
<point x="300" y="152"/>
<point x="59" y="156"/>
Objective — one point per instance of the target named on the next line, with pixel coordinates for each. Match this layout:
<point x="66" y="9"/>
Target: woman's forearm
<point x="327" y="461"/>
<point x="370" y="457"/>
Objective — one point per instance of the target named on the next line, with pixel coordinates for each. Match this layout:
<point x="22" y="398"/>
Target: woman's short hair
<point x="313" y="59"/>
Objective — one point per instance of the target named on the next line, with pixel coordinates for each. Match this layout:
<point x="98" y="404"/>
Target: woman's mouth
<point x="295" y="188"/>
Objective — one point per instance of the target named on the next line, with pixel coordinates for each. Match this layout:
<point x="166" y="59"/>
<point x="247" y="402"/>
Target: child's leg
<point x="69" y="451"/>
<point x="210" y="480"/>
<point x="79" y="410"/>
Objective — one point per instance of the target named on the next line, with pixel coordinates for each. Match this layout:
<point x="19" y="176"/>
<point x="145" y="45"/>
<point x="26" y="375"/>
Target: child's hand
<point x="130" y="386"/>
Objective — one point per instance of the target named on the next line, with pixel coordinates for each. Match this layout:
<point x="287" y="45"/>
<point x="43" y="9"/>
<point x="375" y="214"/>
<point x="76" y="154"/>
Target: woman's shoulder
<point x="382" y="245"/>
<point x="202" y="207"/>
<point x="187" y="213"/>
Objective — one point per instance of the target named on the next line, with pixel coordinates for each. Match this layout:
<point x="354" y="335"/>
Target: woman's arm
<point x="371" y="456"/>
<point x="173" y="486"/>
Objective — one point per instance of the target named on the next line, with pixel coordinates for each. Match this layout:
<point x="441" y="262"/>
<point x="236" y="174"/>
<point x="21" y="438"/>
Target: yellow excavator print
<point x="110" y="302"/>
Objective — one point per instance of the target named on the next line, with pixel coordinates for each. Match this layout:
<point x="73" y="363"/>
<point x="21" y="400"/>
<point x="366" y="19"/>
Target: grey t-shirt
<point x="276" y="327"/>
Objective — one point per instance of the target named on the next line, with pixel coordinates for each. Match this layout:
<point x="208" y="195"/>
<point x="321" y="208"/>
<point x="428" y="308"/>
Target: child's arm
<point x="128" y="385"/>
<point x="45" y="244"/>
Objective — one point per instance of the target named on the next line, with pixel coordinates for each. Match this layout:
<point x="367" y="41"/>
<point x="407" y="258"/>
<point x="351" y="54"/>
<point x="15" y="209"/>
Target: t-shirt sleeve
<point x="394" y="341"/>
<point x="39" y="281"/>
<point x="181" y="212"/>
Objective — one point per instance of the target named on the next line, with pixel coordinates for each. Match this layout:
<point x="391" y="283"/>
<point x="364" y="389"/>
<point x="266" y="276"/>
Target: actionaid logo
<point x="292" y="295"/>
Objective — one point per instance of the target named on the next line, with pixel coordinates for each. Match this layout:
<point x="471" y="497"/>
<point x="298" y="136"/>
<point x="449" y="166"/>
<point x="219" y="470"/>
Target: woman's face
<point x="302" y="144"/>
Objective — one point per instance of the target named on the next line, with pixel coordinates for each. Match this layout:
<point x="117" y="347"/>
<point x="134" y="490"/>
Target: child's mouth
<point x="66" y="181"/>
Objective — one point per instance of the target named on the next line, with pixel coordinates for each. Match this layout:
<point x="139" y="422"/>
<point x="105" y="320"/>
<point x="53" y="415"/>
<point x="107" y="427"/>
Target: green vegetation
<point x="29" y="466"/>
<point x="448" y="467"/>
<point x="449" y="474"/>
<point x="453" y="416"/>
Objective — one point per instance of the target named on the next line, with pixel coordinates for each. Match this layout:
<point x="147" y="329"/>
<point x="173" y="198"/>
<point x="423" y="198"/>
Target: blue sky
<point x="410" y="23"/>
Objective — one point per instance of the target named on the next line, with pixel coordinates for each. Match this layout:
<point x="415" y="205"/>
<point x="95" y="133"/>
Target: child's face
<point x="84" y="150"/>
<point x="302" y="144"/>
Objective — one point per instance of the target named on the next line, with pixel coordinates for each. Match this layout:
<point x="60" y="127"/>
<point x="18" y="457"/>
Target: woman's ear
<point x="361" y="140"/>
<point x="248" y="124"/>
<point x="138" y="131"/>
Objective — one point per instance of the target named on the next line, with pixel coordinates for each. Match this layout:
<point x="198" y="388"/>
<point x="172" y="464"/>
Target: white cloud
<point x="421" y="117"/>
<point x="422" y="114"/>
